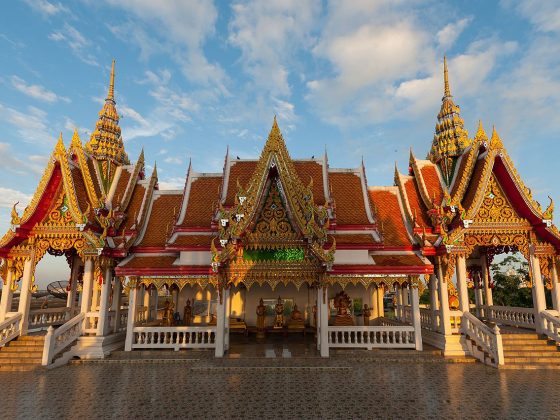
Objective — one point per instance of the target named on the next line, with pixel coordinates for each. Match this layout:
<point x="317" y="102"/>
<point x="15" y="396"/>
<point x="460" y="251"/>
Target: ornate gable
<point x="496" y="207"/>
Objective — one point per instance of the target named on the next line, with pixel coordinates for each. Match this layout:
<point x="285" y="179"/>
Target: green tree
<point x="510" y="278"/>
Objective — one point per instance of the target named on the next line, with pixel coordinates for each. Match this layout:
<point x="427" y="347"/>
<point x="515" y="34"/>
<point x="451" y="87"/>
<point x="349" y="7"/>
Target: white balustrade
<point x="91" y="320"/>
<point x="480" y="336"/>
<point x="551" y="325"/>
<point x="41" y="318"/>
<point x="510" y="315"/>
<point x="174" y="338"/>
<point x="455" y="321"/>
<point x="429" y="320"/>
<point x="9" y="328"/>
<point x="58" y="339"/>
<point x="141" y="314"/>
<point x="390" y="336"/>
<point x="122" y="321"/>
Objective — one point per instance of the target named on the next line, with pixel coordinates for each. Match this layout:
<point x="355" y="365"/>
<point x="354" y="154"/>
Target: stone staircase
<point x="22" y="354"/>
<point x="529" y="350"/>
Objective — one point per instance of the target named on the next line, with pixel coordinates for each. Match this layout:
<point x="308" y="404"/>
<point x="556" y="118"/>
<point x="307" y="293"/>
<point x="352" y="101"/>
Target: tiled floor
<point x="195" y="385"/>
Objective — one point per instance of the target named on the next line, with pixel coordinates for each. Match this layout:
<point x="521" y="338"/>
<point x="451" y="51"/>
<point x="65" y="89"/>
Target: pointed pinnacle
<point x="495" y="140"/>
<point x="446" y="90"/>
<point x="60" y="144"/>
<point x="141" y="156"/>
<point x="111" y="93"/>
<point x="480" y="133"/>
<point x="75" y="136"/>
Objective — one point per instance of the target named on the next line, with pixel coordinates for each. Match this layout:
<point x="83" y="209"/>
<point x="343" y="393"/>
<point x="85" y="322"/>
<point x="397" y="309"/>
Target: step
<point x="521" y="342"/>
<point x="21" y="361"/>
<point x="535" y="360"/>
<point x="19" y="368"/>
<point x="531" y="353"/>
<point x="523" y="336"/>
<point x="530" y="367"/>
<point x="31" y="338"/>
<point x="17" y="343"/>
<point x="23" y="354"/>
<point x="21" y="348"/>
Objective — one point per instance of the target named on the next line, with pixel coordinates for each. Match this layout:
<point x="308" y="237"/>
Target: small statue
<point x="187" y="313"/>
<point x="168" y="313"/>
<point x="261" y="313"/>
<point x="296" y="320"/>
<point x="341" y="303"/>
<point x="366" y="312"/>
<point x="279" y="309"/>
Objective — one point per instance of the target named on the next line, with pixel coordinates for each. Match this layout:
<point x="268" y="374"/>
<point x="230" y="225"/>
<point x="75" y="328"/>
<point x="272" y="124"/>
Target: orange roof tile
<point x="356" y="239"/>
<point x="203" y="198"/>
<point x="93" y="175"/>
<point x="306" y="171"/>
<point x="474" y="184"/>
<point x="193" y="240"/>
<point x="121" y="186"/>
<point x="397" y="260"/>
<point x="80" y="187"/>
<point x="242" y="171"/>
<point x="415" y="201"/>
<point x="161" y="219"/>
<point x="432" y="182"/>
<point x="390" y="218"/>
<point x="349" y="200"/>
<point x="133" y="209"/>
<point x="158" y="261"/>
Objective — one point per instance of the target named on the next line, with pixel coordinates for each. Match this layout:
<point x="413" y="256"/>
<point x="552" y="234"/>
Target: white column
<point x="103" y="324"/>
<point x="539" y="302"/>
<point x="7" y="294"/>
<point x="132" y="299"/>
<point x="87" y="287"/>
<point x="116" y="304"/>
<point x="25" y="294"/>
<point x="444" y="321"/>
<point x="555" y="286"/>
<point x="318" y="298"/>
<point x="323" y="300"/>
<point x="220" y="324"/>
<point x="399" y="302"/>
<point x="478" y="300"/>
<point x="374" y="309"/>
<point x="380" y="295"/>
<point x="415" y="303"/>
<point x="226" y="319"/>
<point x="486" y="281"/>
<point x="434" y="304"/>
<point x="461" y="270"/>
<point x="71" y="299"/>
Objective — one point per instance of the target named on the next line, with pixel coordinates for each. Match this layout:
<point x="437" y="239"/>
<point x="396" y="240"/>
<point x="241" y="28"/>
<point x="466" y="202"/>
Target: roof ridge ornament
<point x="446" y="89"/>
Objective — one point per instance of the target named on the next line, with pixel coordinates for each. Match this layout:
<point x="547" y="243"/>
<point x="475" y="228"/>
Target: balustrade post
<point x="25" y="293"/>
<point x="461" y="270"/>
<point x="434" y="304"/>
<point x="221" y="323"/>
<point x="87" y="288"/>
<point x="132" y="299"/>
<point x="444" y="321"/>
<point x="488" y="300"/>
<point x="416" y="322"/>
<point x="116" y="304"/>
<point x="539" y="302"/>
<point x="499" y="346"/>
<point x="7" y="294"/>
<point x="555" y="286"/>
<point x="323" y="300"/>
<point x="103" y="323"/>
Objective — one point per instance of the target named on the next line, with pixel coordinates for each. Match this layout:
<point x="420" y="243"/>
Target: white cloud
<point x="9" y="161"/>
<point x="47" y="8"/>
<point x="173" y="183"/>
<point x="9" y="196"/>
<point x="269" y="35"/>
<point x="447" y="36"/>
<point x="173" y="159"/>
<point x="77" y="42"/>
<point x="36" y="91"/>
<point x="187" y="24"/>
<point x="544" y="15"/>
<point x="32" y="125"/>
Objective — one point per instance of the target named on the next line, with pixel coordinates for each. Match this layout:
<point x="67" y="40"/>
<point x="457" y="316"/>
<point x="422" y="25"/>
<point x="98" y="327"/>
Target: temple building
<point x="279" y="245"/>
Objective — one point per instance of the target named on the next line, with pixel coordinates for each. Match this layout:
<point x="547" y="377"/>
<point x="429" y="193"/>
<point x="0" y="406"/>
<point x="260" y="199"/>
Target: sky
<point x="361" y="79"/>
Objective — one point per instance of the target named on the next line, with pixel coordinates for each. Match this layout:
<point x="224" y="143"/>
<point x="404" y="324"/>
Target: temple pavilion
<point x="279" y="245"/>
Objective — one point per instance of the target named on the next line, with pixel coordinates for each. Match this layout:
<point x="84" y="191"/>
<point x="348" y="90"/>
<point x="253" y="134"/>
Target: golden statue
<point x="296" y="320"/>
<point x="261" y="314"/>
<point x="279" y="309"/>
<point x="366" y="313"/>
<point x="187" y="313"/>
<point x="168" y="313"/>
<point x="341" y="303"/>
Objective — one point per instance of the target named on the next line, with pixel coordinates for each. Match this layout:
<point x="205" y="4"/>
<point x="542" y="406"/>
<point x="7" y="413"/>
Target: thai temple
<point x="281" y="245"/>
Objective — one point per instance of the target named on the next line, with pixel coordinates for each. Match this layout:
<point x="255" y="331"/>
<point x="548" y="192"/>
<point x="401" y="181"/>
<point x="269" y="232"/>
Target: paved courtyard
<point x="278" y="388"/>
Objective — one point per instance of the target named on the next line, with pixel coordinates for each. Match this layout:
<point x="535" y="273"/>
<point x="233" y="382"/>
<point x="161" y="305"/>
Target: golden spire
<point x="446" y="90"/>
<point x="111" y="93"/>
<point x="451" y="137"/>
<point x="105" y="143"/>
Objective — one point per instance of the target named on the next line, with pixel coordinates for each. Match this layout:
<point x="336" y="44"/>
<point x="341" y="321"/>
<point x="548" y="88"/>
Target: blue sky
<point x="361" y="78"/>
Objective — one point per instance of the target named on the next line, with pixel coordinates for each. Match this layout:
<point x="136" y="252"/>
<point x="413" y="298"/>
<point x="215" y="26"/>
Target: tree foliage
<point x="510" y="277"/>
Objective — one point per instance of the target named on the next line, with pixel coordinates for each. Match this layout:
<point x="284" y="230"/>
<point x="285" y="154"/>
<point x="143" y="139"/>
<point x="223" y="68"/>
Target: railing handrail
<point x="49" y="310"/>
<point x="50" y="349"/>
<point x="485" y="337"/>
<point x="372" y="328"/>
<point x="551" y="325"/>
<point x="509" y="308"/>
<point x="10" y="320"/>
<point x="478" y="323"/>
<point x="174" y="329"/>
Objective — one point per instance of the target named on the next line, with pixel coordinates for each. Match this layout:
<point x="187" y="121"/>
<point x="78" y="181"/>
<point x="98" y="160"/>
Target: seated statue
<point x="341" y="303"/>
<point x="296" y="320"/>
<point x="261" y="314"/>
<point x="187" y="313"/>
<point x="366" y="312"/>
<point x="168" y="313"/>
<point x="279" y="310"/>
